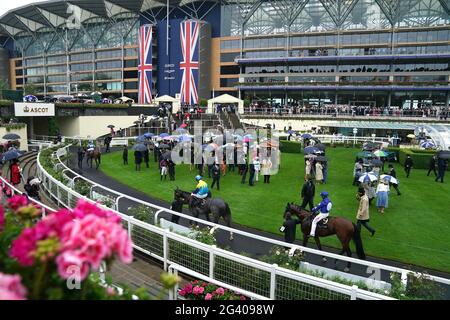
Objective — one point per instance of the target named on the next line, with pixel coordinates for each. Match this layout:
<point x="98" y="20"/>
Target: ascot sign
<point x="34" y="109"/>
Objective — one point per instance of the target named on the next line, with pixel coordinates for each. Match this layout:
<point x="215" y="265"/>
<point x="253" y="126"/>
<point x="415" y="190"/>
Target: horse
<point x="216" y="206"/>
<point x="93" y="155"/>
<point x="344" y="229"/>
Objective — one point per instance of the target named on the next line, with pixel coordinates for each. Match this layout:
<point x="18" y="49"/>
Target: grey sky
<point x="6" y="5"/>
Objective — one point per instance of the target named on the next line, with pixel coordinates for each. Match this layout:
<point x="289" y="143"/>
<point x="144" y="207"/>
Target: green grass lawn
<point x="415" y="229"/>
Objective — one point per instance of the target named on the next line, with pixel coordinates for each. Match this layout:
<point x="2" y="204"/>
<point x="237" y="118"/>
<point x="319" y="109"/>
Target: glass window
<point x="81" y="67"/>
<point x="56" y="69"/>
<point x="131" y="52"/>
<point x="109" y="54"/>
<point x="51" y="79"/>
<point x="56" y="59"/>
<point x="116" y="64"/>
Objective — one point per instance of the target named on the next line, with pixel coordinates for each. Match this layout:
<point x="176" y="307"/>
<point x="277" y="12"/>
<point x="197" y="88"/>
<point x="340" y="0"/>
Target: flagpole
<point x="167" y="29"/>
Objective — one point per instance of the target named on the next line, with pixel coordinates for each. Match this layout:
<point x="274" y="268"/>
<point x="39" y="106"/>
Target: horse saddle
<point x="323" y="223"/>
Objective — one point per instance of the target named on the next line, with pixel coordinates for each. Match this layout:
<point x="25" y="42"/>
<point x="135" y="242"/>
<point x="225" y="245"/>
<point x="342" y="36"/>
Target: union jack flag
<point x="189" y="31"/>
<point x="145" y="68"/>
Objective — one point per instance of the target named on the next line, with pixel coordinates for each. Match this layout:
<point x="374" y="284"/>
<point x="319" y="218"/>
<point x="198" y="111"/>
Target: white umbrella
<point x="389" y="178"/>
<point x="35" y="181"/>
<point x="369" y="176"/>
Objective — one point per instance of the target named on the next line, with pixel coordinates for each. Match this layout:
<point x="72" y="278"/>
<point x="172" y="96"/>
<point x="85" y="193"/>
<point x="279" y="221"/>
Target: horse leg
<point x="227" y="219"/>
<point x="349" y="254"/>
<point x="319" y="246"/>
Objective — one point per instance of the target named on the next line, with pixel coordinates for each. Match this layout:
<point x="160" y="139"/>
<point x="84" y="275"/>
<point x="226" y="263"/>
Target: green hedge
<point x="421" y="158"/>
<point x="291" y="147"/>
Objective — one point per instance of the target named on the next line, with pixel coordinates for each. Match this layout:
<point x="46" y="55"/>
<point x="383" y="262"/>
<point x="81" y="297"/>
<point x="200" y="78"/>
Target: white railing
<point x="266" y="280"/>
<point x="45" y="209"/>
<point x="371" y="267"/>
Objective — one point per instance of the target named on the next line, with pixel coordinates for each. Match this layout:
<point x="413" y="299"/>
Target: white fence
<point x="246" y="275"/>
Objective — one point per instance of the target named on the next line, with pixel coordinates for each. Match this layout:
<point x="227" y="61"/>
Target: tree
<point x="30" y="89"/>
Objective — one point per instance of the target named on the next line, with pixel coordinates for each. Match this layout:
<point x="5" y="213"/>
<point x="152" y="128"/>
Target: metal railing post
<point x="212" y="261"/>
<point x="354" y="292"/>
<point x="165" y="249"/>
<point x="273" y="281"/>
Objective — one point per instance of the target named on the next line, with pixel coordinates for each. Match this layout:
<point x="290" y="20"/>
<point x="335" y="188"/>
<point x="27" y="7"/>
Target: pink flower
<point x="198" y="290"/>
<point x="182" y="293"/>
<point x="110" y="291"/>
<point x="208" y="296"/>
<point x="2" y="218"/>
<point x="11" y="287"/>
<point x="220" y="291"/>
<point x="85" y="208"/>
<point x="188" y="288"/>
<point x="17" y="202"/>
<point x="243" y="298"/>
<point x="71" y="265"/>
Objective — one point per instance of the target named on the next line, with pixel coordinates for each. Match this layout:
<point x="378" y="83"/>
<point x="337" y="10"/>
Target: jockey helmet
<point x="324" y="194"/>
<point x="198" y="178"/>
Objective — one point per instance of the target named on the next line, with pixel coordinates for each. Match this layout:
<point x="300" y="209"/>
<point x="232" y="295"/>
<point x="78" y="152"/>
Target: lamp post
<point x="355" y="131"/>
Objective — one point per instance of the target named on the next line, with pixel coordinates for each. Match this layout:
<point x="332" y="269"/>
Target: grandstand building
<point x="362" y="52"/>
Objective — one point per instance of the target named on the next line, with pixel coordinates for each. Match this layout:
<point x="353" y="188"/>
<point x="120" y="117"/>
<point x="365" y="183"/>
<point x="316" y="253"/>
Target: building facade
<point x="365" y="52"/>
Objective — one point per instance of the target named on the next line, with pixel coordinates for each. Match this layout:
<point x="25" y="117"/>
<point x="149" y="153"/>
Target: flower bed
<point x="60" y="255"/>
<point x="197" y="290"/>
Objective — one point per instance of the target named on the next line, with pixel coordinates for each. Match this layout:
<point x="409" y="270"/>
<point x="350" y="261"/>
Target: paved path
<point x="243" y="244"/>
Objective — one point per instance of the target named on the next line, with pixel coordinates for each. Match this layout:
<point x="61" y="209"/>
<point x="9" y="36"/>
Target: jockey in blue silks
<point x="324" y="208"/>
<point x="201" y="190"/>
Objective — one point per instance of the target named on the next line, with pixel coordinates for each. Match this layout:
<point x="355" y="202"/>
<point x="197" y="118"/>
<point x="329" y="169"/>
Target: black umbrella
<point x="111" y="126"/>
<point x="309" y="150"/>
<point x="377" y="162"/>
<point x="139" y="147"/>
<point x="320" y="146"/>
<point x="9" y="155"/>
<point x="321" y="159"/>
<point x="163" y="146"/>
<point x="167" y="155"/>
<point x="11" y="136"/>
<point x="444" y="154"/>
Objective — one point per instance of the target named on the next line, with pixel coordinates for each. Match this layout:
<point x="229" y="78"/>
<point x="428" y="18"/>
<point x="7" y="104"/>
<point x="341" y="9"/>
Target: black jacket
<point x="216" y="172"/>
<point x="308" y="190"/>
<point x="432" y="163"/>
<point x="409" y="162"/>
<point x="392" y="173"/>
<point x="290" y="228"/>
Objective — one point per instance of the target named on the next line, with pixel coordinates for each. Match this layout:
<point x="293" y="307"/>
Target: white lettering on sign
<point x="34" y="109"/>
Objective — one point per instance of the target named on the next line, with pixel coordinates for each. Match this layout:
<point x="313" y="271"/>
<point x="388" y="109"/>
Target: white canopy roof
<point x="225" y="98"/>
<point x="165" y="98"/>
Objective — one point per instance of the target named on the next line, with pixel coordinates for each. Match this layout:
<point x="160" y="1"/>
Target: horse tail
<point x="227" y="211"/>
<point x="358" y="242"/>
<point x="99" y="158"/>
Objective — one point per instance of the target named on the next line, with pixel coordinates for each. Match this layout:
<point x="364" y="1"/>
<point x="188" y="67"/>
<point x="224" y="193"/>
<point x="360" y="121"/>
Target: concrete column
<point x="336" y="99"/>
<point x="389" y="100"/>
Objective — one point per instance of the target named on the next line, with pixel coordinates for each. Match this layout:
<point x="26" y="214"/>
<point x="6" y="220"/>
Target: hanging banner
<point x="189" y="66"/>
<point x="145" y="67"/>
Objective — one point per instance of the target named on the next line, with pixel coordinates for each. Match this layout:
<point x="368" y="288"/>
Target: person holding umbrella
<point x="393" y="174"/>
<point x="171" y="166"/>
<point x="138" y="159"/>
<point x="382" y="195"/>
<point x="442" y="167"/>
<point x="146" y="157"/>
<point x="32" y="188"/>
<point x="319" y="172"/>
<point x="216" y="176"/>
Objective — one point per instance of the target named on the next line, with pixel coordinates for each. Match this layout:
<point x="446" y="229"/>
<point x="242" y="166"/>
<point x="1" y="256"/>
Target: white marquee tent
<point x="225" y="99"/>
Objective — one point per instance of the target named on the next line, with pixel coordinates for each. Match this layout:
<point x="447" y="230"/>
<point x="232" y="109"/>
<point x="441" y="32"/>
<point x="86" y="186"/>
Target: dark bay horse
<point x="216" y="206"/>
<point x="92" y="156"/>
<point x="344" y="229"/>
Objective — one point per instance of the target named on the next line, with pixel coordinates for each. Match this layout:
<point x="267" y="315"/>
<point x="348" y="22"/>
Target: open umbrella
<point x="443" y="154"/>
<point x="9" y="155"/>
<point x="309" y="150"/>
<point x="167" y="155"/>
<point x="35" y="181"/>
<point x="148" y="135"/>
<point x="183" y="126"/>
<point x="365" y="154"/>
<point x="184" y="138"/>
<point x="164" y="146"/>
<point x="428" y="144"/>
<point x="310" y="156"/>
<point x="139" y="147"/>
<point x="11" y="136"/>
<point x="377" y="162"/>
<point x="30" y="98"/>
<point x="389" y="178"/>
<point x="380" y="153"/>
<point x="111" y="126"/>
<point x="410" y="136"/>
<point x="368" y="177"/>
<point x="164" y="135"/>
<point x="320" y="146"/>
<point x="306" y="136"/>
<point x="321" y="159"/>
<point x="290" y="131"/>
<point x="180" y="130"/>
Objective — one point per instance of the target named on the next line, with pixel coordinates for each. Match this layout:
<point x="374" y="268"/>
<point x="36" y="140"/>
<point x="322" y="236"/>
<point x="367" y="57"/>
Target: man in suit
<point x="393" y="174"/>
<point x="432" y="166"/>
<point x="408" y="165"/>
<point x="307" y="194"/>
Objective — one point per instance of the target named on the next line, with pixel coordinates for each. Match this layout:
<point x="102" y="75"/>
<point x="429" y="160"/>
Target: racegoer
<point x="324" y="208"/>
<point x="201" y="190"/>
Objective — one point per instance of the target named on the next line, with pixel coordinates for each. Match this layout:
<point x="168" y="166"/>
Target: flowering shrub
<point x="39" y="260"/>
<point x="197" y="290"/>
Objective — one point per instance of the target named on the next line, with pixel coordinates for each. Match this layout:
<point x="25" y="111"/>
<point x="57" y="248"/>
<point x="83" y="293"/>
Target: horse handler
<point x="362" y="216"/>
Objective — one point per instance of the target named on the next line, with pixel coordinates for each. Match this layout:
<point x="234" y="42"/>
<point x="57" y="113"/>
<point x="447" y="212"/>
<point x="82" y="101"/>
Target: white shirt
<point x="382" y="187"/>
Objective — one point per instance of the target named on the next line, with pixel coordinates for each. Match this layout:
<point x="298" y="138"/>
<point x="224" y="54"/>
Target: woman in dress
<point x="382" y="195"/>
<point x="319" y="172"/>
